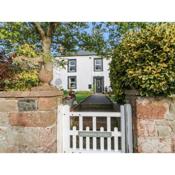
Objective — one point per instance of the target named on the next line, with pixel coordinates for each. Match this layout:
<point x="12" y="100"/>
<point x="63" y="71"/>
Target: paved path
<point x="97" y="99"/>
<point x="95" y="102"/>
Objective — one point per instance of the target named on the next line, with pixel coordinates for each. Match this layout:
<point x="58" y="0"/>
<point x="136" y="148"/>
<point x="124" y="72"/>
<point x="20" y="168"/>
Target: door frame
<point x="94" y="84"/>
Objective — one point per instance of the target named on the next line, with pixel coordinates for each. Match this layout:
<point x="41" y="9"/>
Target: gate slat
<point x="87" y="140"/>
<point x="101" y="140"/>
<point x="74" y="137"/>
<point x="94" y="126"/>
<point x="81" y="129"/>
<point x="116" y="139"/>
<point x="109" y="130"/>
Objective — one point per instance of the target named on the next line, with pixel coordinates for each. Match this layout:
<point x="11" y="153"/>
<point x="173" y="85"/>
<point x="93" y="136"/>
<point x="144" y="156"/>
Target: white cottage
<point x="84" y="71"/>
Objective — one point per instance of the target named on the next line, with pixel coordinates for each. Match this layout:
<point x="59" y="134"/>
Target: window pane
<point x="99" y="61"/>
<point x="97" y="67"/>
<point x="72" y="82"/>
<point x="71" y="65"/>
<point x="98" y="64"/>
<point x="72" y="68"/>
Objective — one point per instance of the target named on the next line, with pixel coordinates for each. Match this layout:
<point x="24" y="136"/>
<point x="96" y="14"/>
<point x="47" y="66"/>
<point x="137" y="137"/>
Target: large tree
<point x="106" y="36"/>
<point x="46" y="37"/>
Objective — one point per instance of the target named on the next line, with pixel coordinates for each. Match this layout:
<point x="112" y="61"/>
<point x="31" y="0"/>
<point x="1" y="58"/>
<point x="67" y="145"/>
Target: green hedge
<point x="145" y="60"/>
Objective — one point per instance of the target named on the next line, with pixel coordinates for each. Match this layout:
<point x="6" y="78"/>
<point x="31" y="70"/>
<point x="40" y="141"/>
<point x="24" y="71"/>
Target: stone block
<point x="45" y="104"/>
<point x="172" y="125"/>
<point x="7" y="141"/>
<point x="146" y="128"/>
<point x="8" y="105"/>
<point x="151" y="108"/>
<point x="4" y="119"/>
<point x="27" y="105"/>
<point x="8" y="149"/>
<point x="8" y="136"/>
<point x="163" y="131"/>
<point x="154" y="145"/>
<point x="3" y="131"/>
<point x="37" y="139"/>
<point x="170" y="116"/>
<point x="33" y="119"/>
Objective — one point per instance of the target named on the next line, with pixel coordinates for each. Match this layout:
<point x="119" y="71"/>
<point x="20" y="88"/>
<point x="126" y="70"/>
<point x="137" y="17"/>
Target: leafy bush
<point x="145" y="60"/>
<point x="22" y="81"/>
<point x="23" y="76"/>
<point x="26" y="50"/>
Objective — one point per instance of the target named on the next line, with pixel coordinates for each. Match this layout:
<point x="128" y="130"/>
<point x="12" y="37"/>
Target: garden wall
<point x="155" y="118"/>
<point x="28" y="121"/>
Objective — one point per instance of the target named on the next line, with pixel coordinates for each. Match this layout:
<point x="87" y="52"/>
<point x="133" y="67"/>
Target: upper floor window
<point x="98" y="64"/>
<point x="72" y="65"/>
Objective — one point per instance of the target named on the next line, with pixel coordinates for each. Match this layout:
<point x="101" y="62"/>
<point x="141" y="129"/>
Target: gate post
<point x="60" y="112"/>
<point x="129" y="135"/>
<point x="123" y="124"/>
<point x="63" y="128"/>
<point x="66" y="128"/>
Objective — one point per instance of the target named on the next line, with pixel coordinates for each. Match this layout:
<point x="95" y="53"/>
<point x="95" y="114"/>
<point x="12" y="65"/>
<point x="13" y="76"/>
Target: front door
<point x="98" y="84"/>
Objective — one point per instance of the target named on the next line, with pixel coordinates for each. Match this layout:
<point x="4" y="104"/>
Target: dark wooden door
<point x="99" y="84"/>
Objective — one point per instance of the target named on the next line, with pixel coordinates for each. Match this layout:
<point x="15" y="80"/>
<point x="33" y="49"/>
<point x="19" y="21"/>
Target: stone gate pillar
<point x="28" y="120"/>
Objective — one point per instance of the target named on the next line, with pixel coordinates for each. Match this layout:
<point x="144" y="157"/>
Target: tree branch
<point x="51" y="28"/>
<point x="39" y="29"/>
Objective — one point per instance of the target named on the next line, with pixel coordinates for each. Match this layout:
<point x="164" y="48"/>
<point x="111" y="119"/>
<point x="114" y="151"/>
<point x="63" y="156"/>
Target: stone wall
<point x="155" y="125"/>
<point x="28" y="121"/>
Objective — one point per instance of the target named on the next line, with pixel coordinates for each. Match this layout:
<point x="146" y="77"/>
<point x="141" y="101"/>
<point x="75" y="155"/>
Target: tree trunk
<point x="47" y="73"/>
<point x="46" y="44"/>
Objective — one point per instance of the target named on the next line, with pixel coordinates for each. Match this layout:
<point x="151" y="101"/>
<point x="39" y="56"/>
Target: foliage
<point x="100" y="37"/>
<point x="144" y="60"/>
<point x="22" y="81"/>
<point x="26" y="50"/>
<point x="105" y="36"/>
<point x="60" y="63"/>
<point x="23" y="75"/>
<point x="66" y="34"/>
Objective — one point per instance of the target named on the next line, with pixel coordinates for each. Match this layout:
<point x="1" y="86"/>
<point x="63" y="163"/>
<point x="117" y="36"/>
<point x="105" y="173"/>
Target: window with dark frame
<point x="98" y="64"/>
<point x="72" y="82"/>
<point x="72" y="65"/>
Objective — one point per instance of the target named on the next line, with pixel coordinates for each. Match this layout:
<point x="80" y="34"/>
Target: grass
<point x="80" y="95"/>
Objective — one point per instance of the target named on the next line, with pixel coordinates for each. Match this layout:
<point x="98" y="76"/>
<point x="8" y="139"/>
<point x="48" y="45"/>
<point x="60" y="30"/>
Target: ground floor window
<point x="72" y="82"/>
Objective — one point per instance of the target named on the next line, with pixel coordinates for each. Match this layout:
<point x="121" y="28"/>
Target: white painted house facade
<point x="83" y="72"/>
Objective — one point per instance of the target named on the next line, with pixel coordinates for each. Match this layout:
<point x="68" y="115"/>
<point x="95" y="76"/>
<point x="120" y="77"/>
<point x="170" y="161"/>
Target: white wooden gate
<point x="94" y="131"/>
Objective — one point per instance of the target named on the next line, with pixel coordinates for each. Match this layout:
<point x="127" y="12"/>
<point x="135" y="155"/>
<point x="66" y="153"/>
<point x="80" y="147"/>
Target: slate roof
<point x="81" y="53"/>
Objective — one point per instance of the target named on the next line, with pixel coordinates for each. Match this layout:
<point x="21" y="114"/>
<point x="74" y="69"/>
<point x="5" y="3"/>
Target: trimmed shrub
<point x="145" y="60"/>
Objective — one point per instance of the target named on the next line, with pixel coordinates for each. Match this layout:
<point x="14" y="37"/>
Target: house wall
<point x="85" y="73"/>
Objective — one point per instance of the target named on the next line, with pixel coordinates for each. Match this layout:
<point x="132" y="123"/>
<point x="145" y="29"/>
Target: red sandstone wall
<point x="29" y="131"/>
<point x="155" y="125"/>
